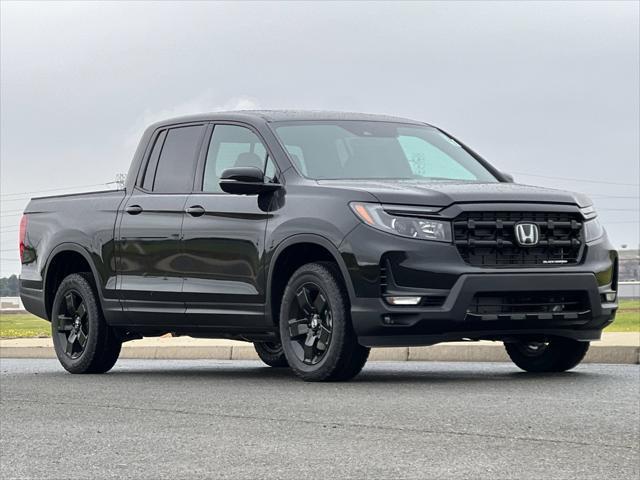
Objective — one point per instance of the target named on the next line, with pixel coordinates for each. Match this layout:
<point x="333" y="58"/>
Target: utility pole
<point x="120" y="179"/>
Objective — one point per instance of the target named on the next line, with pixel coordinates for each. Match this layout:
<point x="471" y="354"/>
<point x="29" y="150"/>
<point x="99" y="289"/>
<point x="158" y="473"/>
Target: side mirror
<point x="245" y="181"/>
<point x="507" y="177"/>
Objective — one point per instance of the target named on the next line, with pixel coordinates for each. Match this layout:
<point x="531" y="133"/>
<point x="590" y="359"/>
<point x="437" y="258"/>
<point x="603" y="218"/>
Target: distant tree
<point x="9" y="287"/>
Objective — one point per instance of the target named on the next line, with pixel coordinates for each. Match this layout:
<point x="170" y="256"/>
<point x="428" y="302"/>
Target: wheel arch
<point x="318" y="248"/>
<point x="65" y="259"/>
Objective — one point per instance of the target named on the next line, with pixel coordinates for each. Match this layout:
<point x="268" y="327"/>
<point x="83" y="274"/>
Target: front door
<point x="148" y="237"/>
<point x="223" y="238"/>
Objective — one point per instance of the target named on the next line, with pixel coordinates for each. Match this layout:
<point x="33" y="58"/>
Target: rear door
<point x="148" y="239"/>
<point x="223" y="236"/>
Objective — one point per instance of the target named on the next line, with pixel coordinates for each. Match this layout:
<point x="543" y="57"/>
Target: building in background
<point x="629" y="265"/>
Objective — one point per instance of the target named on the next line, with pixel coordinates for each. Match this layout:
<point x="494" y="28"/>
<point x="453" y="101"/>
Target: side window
<point x="231" y="146"/>
<point x="270" y="171"/>
<point x="177" y="161"/>
<point x="152" y="164"/>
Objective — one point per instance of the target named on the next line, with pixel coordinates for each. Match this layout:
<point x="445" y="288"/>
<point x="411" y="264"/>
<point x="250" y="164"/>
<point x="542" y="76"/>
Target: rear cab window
<point x="172" y="162"/>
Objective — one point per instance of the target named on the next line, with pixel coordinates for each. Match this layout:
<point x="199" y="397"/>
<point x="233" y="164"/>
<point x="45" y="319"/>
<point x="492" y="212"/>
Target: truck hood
<point x="443" y="194"/>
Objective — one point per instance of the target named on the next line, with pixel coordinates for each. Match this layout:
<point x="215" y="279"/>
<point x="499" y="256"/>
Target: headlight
<point x="593" y="230"/>
<point x="588" y="212"/>
<point x="412" y="227"/>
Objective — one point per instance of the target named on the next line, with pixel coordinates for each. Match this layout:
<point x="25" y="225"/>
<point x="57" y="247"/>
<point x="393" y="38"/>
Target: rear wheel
<point x="555" y="355"/>
<point x="83" y="342"/>
<point x="315" y="327"/>
<point x="271" y="353"/>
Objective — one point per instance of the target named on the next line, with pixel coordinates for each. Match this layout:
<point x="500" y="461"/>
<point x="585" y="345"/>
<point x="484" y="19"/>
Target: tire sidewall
<point x="560" y="354"/>
<point x="324" y="279"/>
<point x="269" y="356"/>
<point x="80" y="285"/>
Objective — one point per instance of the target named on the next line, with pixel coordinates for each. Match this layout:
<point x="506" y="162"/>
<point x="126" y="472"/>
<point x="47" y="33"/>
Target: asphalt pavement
<point x="238" y="419"/>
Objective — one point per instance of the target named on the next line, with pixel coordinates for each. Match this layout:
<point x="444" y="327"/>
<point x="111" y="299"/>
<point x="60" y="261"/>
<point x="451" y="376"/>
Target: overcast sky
<point x="546" y="89"/>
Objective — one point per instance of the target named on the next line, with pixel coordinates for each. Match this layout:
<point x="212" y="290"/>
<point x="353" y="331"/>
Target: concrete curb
<point x="442" y="353"/>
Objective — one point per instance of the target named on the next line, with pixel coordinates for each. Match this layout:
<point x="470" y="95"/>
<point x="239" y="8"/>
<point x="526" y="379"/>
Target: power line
<point x="57" y="189"/>
<point x="635" y="197"/>
<point x="617" y="209"/>
<point x="579" y="180"/>
<point x="17" y="199"/>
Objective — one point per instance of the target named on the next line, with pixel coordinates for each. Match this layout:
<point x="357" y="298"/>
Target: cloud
<point x="204" y="102"/>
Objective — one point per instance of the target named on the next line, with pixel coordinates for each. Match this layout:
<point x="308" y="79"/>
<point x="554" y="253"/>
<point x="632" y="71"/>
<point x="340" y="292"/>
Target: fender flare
<point x="313" y="239"/>
<point x="76" y="248"/>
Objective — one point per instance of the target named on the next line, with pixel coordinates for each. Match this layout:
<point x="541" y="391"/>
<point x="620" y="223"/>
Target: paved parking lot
<point x="196" y="419"/>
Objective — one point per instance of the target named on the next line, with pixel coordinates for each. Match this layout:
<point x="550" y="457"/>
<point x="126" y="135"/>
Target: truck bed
<point x="86" y="220"/>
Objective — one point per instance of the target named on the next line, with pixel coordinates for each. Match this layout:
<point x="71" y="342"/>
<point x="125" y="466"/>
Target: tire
<point x="315" y="326"/>
<point x="76" y="316"/>
<point x="271" y="353"/>
<point x="556" y="355"/>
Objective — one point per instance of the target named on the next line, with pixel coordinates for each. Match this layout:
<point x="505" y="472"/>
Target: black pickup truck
<point x="317" y="235"/>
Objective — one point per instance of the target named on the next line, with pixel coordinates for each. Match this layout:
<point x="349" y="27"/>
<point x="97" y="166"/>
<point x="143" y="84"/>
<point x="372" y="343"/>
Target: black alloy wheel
<point x="318" y="339"/>
<point x="532" y="349"/>
<point x="272" y="348"/>
<point x="271" y="353"/>
<point x="73" y="324"/>
<point x="310" y="324"/>
<point x="555" y="354"/>
<point x="83" y="341"/>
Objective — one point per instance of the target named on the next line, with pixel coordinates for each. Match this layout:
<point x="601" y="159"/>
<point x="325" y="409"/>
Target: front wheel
<point x="555" y="355"/>
<point x="83" y="341"/>
<point x="315" y="326"/>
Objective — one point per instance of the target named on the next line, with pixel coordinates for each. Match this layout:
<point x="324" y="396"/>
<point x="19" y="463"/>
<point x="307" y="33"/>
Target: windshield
<point x="377" y="150"/>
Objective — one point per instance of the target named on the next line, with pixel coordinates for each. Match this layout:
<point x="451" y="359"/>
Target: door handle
<point x="133" y="209"/>
<point x="196" y="210"/>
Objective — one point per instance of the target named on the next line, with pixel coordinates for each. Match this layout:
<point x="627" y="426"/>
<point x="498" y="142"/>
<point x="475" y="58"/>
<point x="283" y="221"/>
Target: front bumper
<point x="379" y="324"/>
<point x="430" y="268"/>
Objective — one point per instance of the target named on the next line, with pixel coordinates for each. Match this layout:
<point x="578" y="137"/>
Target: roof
<point x="286" y="115"/>
<point x="292" y="115"/>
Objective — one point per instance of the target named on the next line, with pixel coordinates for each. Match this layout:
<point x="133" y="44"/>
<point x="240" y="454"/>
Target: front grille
<point x="538" y="305"/>
<point x="488" y="238"/>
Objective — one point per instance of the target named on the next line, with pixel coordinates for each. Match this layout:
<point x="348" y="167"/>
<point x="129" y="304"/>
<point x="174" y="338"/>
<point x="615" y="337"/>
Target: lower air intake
<point x="539" y="305"/>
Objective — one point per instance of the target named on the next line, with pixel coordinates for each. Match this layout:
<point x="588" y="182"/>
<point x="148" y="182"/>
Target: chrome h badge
<point x="527" y="234"/>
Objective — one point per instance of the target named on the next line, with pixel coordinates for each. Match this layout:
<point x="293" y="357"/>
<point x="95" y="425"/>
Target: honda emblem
<point x="527" y="234"/>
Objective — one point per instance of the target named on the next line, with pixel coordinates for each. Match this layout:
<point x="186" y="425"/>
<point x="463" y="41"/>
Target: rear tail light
<point x="23" y="233"/>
